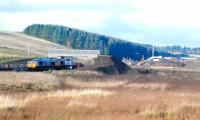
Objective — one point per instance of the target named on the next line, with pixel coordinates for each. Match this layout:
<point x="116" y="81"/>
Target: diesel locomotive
<point x="52" y="64"/>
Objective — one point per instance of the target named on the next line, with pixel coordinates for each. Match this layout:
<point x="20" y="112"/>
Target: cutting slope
<point x="17" y="44"/>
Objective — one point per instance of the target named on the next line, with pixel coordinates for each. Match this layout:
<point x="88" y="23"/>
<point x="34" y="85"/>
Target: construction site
<point x="18" y="49"/>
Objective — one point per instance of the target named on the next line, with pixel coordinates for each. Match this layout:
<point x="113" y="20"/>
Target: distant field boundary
<point x="13" y="59"/>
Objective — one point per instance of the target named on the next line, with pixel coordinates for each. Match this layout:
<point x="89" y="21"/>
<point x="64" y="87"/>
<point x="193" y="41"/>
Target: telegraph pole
<point x="137" y="54"/>
<point x="28" y="50"/>
<point x="153" y="51"/>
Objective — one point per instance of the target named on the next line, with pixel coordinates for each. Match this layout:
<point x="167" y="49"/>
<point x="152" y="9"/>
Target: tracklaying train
<point x="53" y="63"/>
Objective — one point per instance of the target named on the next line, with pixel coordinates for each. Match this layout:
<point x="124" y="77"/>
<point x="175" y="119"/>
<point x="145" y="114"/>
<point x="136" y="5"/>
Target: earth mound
<point x="110" y="65"/>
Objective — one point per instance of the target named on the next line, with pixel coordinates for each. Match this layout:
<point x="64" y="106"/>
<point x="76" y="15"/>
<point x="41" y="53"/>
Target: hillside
<point x="79" y="39"/>
<point x="14" y="44"/>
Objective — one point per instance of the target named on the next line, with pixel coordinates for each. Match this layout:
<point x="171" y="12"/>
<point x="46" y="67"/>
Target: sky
<point x="156" y="22"/>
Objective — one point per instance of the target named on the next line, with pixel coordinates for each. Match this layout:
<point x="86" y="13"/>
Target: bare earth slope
<point x="12" y="42"/>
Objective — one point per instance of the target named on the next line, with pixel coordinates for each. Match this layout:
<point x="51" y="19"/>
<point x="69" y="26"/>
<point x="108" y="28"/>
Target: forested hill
<point x="79" y="39"/>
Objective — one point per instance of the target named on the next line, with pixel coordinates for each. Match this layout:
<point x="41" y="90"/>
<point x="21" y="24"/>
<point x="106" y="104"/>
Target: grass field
<point x="8" y="52"/>
<point x="14" y="44"/>
<point x="86" y="95"/>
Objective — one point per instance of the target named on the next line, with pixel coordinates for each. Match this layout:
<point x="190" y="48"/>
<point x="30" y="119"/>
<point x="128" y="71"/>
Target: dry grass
<point x="82" y="103"/>
<point x="6" y="101"/>
<point x="99" y="97"/>
<point x="70" y="81"/>
<point x="79" y="93"/>
<point x="37" y="81"/>
<point x="13" y="81"/>
<point x="86" y="72"/>
<point x="170" y="105"/>
<point x="78" y="74"/>
<point x="150" y="110"/>
<point x="149" y="86"/>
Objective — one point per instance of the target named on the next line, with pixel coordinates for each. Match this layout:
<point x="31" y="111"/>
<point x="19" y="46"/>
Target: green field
<point x="8" y="55"/>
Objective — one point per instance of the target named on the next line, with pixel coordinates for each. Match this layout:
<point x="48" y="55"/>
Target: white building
<point x="89" y="54"/>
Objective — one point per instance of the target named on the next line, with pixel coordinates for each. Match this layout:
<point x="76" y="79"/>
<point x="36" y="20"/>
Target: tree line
<point x="78" y="39"/>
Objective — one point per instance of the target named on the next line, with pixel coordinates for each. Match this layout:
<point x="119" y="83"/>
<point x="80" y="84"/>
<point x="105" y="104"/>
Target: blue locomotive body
<point x="52" y="63"/>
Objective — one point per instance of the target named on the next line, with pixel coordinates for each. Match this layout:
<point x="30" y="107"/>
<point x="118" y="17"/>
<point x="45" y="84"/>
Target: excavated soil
<point x="110" y="65"/>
